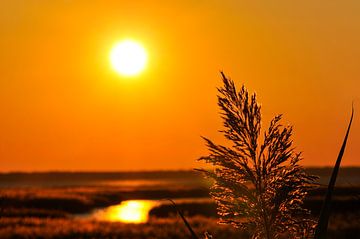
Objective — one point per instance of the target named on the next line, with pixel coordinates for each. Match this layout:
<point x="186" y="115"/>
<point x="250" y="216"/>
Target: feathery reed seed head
<point x="258" y="186"/>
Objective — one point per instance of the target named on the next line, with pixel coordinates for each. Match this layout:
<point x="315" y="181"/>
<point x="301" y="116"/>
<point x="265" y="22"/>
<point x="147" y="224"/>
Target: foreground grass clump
<point x="259" y="185"/>
<point x="51" y="228"/>
<point x="341" y="227"/>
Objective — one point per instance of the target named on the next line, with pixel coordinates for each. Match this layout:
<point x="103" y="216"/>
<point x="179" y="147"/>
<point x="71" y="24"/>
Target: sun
<point x="128" y="58"/>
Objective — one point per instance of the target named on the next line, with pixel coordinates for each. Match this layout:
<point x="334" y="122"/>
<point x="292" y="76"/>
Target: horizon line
<point x="137" y="171"/>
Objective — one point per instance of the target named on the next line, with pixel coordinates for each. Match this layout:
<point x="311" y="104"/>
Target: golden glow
<point x="128" y="58"/>
<point x="133" y="211"/>
<point x="61" y="98"/>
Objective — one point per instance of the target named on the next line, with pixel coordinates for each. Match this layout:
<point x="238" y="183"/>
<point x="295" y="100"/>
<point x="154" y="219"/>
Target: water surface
<point x="131" y="211"/>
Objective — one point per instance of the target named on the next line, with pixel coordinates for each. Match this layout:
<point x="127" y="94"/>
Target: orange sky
<point x="64" y="108"/>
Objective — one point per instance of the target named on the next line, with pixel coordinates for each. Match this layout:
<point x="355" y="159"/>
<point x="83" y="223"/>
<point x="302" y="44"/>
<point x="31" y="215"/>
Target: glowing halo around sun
<point x="128" y="58"/>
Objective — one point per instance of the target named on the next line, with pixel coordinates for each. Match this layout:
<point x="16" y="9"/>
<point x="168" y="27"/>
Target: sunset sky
<point x="63" y="107"/>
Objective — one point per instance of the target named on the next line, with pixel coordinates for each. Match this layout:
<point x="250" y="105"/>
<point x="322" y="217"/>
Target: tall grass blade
<point x="321" y="229"/>
<point x="193" y="234"/>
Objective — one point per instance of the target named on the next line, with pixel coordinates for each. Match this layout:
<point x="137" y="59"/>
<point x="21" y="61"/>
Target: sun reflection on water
<point x="132" y="211"/>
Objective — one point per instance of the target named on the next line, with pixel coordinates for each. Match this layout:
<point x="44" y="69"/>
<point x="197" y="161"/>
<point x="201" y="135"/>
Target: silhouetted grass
<point x="259" y="185"/>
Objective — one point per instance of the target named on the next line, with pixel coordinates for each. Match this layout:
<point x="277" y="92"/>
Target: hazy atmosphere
<point x="64" y="107"/>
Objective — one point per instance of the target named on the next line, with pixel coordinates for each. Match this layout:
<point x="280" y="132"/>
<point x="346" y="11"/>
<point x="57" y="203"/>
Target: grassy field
<point x="35" y="227"/>
<point x="43" y="205"/>
<point x="48" y="213"/>
<point x="77" y="228"/>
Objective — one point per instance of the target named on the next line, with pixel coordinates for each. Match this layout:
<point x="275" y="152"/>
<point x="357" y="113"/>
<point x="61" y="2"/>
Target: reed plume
<point x="258" y="186"/>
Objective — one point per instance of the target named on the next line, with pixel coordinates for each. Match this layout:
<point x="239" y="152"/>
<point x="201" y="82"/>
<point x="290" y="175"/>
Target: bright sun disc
<point x="128" y="58"/>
